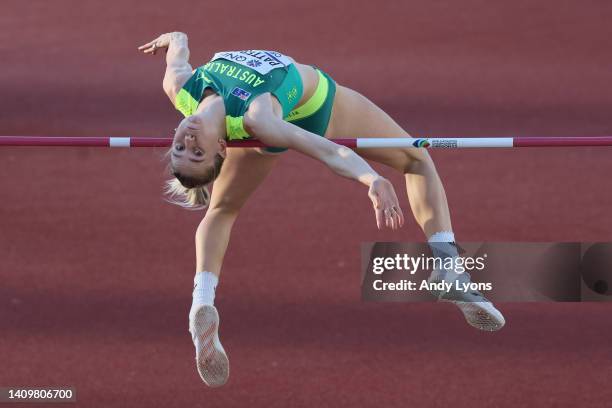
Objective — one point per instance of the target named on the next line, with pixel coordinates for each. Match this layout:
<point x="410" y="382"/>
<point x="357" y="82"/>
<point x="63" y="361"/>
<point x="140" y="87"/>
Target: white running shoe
<point x="478" y="311"/>
<point x="211" y="360"/>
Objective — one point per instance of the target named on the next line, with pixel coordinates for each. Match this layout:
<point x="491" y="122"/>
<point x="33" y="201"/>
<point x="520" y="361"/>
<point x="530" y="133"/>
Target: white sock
<point x="204" y="285"/>
<point x="442" y="245"/>
<point x="442" y="236"/>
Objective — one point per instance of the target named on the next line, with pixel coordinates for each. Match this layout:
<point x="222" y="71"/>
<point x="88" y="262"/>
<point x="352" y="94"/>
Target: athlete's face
<point x="193" y="149"/>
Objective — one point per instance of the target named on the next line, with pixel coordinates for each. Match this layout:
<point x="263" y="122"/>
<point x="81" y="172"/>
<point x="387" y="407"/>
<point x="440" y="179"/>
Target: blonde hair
<point x="195" y="198"/>
<point x="191" y="192"/>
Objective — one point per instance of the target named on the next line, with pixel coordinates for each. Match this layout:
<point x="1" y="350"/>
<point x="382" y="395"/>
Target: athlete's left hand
<point x="160" y="43"/>
<point x="386" y="205"/>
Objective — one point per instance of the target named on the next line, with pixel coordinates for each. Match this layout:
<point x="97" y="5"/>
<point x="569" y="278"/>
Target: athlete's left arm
<point x="263" y="121"/>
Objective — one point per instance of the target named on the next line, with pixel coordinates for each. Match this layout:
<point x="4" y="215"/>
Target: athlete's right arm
<point x="262" y="121"/>
<point x="178" y="69"/>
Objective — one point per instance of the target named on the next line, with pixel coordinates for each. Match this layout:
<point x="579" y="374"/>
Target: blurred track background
<point x="96" y="269"/>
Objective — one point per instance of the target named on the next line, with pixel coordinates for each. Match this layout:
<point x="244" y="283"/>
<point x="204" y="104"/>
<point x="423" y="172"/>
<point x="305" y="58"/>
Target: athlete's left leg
<point x="353" y="115"/>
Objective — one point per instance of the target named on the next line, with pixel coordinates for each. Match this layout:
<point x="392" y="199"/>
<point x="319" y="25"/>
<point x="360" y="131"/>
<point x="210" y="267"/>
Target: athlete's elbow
<point x="343" y="151"/>
<point x="335" y="153"/>
<point x="333" y="156"/>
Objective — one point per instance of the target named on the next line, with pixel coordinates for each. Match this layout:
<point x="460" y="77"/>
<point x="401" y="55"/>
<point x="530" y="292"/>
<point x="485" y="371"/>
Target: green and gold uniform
<point x="240" y="76"/>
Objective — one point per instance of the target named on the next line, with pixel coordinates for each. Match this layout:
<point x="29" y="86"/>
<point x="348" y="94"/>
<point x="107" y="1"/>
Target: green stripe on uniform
<point x="234" y="127"/>
<point x="186" y="103"/>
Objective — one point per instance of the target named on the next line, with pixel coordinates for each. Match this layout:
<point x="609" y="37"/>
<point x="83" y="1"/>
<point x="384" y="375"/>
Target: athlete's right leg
<point x="242" y="172"/>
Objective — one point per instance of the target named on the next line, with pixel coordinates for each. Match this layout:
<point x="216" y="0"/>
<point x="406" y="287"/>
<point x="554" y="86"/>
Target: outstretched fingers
<point x="148" y="48"/>
<point x="151" y="47"/>
<point x="386" y="205"/>
<point x="380" y="216"/>
<point x="395" y="210"/>
<point x="147" y="45"/>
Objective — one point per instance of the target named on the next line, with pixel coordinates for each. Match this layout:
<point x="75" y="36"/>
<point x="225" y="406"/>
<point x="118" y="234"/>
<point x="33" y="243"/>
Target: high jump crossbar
<point x="426" y="142"/>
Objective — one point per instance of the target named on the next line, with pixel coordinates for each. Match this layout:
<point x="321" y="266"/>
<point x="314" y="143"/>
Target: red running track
<point x="96" y="269"/>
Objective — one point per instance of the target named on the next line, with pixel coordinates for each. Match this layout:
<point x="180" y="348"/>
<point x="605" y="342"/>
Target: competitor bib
<point x="258" y="60"/>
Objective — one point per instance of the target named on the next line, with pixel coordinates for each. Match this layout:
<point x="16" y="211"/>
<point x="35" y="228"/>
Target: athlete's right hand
<point x="386" y="205"/>
<point x="160" y="43"/>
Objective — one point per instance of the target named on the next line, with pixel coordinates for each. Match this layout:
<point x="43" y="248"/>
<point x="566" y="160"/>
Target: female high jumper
<point x="266" y="95"/>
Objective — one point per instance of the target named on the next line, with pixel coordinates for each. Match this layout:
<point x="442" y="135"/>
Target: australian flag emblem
<point x="241" y="93"/>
